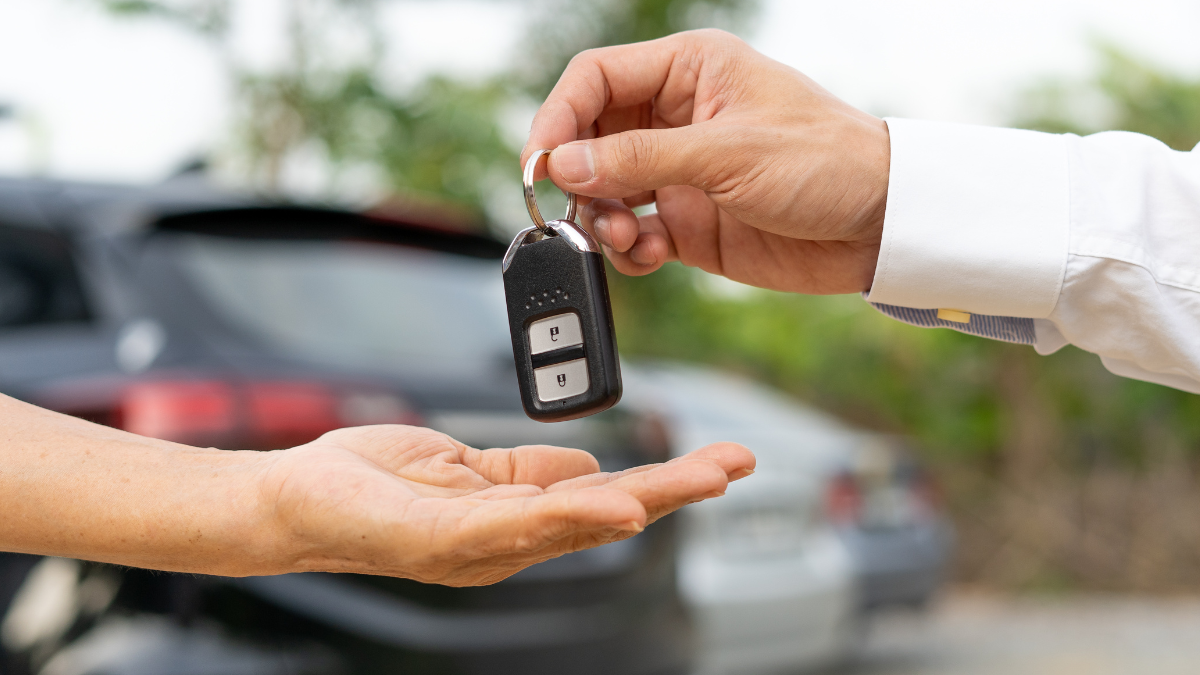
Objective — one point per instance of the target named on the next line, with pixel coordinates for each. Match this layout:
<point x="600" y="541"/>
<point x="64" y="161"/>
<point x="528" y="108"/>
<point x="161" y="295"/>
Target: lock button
<point x="556" y="332"/>
<point x="562" y="380"/>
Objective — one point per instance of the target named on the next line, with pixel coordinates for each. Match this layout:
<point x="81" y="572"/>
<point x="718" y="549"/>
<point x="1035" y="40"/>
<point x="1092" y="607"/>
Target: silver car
<point x="779" y="574"/>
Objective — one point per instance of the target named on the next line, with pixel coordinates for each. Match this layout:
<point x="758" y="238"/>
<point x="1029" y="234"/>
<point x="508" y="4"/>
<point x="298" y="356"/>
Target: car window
<point x="39" y="283"/>
<point x="364" y="305"/>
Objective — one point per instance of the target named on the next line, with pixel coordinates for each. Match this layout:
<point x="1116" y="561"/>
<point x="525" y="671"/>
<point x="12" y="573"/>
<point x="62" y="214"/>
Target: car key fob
<point x="559" y="317"/>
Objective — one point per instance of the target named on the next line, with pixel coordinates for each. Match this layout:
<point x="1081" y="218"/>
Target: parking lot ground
<point x="981" y="634"/>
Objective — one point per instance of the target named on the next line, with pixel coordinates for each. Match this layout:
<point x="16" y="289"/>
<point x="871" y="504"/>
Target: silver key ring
<point x="531" y="200"/>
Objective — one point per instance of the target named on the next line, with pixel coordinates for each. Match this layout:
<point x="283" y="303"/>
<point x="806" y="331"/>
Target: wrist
<point x="875" y="173"/>
<point x="272" y="541"/>
<point x="869" y="221"/>
<point x="296" y="526"/>
<point x="224" y="523"/>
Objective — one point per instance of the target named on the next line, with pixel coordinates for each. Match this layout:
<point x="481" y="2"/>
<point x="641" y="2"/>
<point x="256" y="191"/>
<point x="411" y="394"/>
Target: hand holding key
<point x="758" y="173"/>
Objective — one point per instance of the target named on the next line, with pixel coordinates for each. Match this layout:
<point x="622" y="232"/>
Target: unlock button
<point x="562" y="380"/>
<point x="556" y="332"/>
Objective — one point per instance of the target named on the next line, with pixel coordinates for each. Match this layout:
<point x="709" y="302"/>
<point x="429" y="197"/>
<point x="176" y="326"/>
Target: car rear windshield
<point x="39" y="283"/>
<point x="360" y="305"/>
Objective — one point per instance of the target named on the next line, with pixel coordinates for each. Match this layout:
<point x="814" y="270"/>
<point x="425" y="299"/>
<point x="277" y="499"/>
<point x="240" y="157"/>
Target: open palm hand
<point x="411" y="502"/>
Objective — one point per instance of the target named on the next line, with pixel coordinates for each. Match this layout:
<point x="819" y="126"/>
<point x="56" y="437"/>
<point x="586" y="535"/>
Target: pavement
<point x="981" y="634"/>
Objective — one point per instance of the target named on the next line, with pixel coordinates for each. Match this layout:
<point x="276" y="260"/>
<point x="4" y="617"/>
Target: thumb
<point x="632" y="162"/>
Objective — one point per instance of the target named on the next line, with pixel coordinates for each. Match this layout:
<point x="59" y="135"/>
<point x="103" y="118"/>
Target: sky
<point x="98" y="98"/>
<point x="958" y="61"/>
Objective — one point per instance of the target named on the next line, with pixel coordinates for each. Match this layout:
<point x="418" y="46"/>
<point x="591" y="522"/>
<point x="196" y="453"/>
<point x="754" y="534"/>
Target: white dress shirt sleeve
<point x="1047" y="240"/>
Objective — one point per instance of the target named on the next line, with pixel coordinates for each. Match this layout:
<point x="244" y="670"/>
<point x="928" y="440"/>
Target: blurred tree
<point x="563" y="28"/>
<point x="1128" y="94"/>
<point x="210" y="17"/>
<point x="440" y="138"/>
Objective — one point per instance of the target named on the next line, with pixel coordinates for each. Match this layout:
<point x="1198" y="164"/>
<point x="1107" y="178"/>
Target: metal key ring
<point x="531" y="200"/>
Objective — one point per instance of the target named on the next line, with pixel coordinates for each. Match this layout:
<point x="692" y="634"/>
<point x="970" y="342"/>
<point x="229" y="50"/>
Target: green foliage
<point x="834" y="351"/>
<point x="567" y="27"/>
<point x="432" y="142"/>
<point x="1128" y="94"/>
<point x="957" y="394"/>
<point x="440" y="138"/>
<point x="210" y="17"/>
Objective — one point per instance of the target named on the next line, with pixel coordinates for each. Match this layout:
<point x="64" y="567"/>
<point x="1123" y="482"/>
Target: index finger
<point x="666" y="71"/>
<point x="734" y="459"/>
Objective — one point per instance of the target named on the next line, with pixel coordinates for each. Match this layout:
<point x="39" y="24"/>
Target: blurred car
<point x="770" y="584"/>
<point x="187" y="314"/>
<point x="887" y="510"/>
<point x="782" y="572"/>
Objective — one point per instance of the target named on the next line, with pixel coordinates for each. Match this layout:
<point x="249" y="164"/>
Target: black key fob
<point x="559" y="316"/>
<point x="561" y="323"/>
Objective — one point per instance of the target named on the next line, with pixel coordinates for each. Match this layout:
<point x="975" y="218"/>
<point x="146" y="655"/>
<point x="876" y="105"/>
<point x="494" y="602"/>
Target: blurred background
<point x="1071" y="493"/>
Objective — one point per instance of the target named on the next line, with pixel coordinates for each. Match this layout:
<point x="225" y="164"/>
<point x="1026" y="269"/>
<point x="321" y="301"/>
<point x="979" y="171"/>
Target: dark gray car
<point x="193" y="315"/>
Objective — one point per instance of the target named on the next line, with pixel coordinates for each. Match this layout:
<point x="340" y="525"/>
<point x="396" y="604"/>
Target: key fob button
<point x="562" y="380"/>
<point x="556" y="332"/>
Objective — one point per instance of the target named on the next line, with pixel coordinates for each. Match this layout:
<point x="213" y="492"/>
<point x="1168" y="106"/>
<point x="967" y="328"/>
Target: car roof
<point x="189" y="203"/>
<point x="64" y="204"/>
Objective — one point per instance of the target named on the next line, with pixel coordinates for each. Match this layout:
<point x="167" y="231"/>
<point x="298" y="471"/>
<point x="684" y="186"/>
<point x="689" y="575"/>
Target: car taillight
<point x="282" y="414"/>
<point x="186" y="411"/>
<point x="250" y="415"/>
<point x="843" y="500"/>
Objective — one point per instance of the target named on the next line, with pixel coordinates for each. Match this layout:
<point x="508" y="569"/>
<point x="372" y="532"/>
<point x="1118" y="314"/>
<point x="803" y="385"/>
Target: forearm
<point x="76" y="489"/>
<point x="1048" y="240"/>
<point x="1131" y="285"/>
<point x="387" y="499"/>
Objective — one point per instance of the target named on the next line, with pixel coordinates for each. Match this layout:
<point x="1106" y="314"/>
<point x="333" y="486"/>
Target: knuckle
<point x="631" y="269"/>
<point x="713" y="37"/>
<point x="635" y="153"/>
<point x="593" y="55"/>
<point x="577" y="61"/>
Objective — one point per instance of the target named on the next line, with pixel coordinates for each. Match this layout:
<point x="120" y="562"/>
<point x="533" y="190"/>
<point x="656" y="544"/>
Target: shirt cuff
<point x="977" y="220"/>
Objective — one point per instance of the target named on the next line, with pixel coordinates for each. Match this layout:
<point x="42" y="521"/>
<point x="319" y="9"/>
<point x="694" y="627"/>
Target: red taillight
<point x="187" y="412"/>
<point x="250" y="415"/>
<point x="281" y="414"/>
<point x="843" y="500"/>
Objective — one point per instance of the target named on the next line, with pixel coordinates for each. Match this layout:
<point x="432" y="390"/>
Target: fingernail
<point x="632" y="526"/>
<point x="713" y="494"/>
<point x="574" y="162"/>
<point x="601" y="224"/>
<point x="740" y="474"/>
<point x="642" y="255"/>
